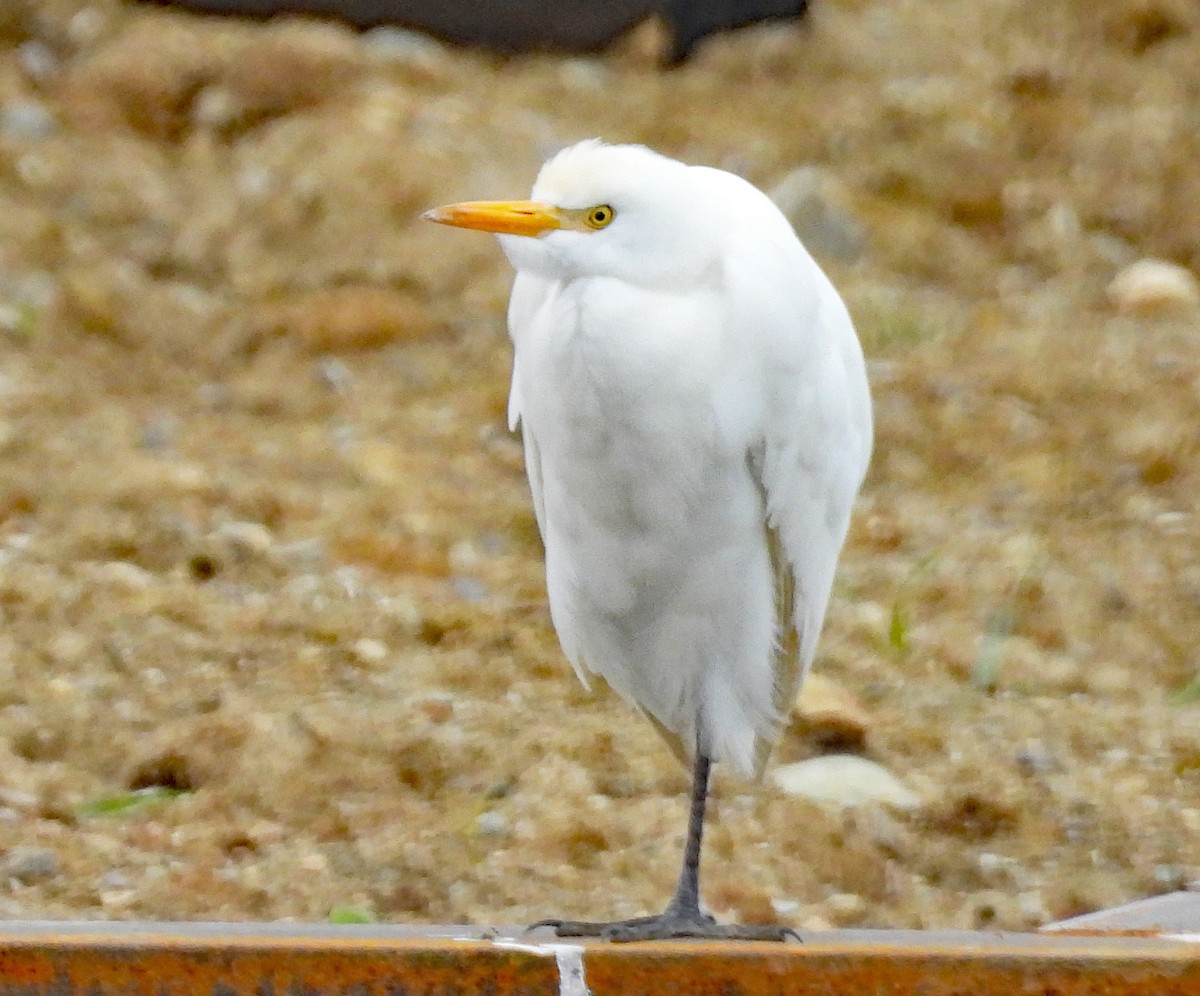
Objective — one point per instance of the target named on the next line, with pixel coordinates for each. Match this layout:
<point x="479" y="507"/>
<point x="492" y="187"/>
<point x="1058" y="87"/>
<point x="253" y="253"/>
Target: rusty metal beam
<point x="208" y="959"/>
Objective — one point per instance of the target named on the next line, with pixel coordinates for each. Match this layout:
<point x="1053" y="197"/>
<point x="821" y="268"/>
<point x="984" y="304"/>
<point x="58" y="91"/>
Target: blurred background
<point x="274" y="641"/>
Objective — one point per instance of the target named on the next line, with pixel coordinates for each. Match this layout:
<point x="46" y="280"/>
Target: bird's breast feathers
<point x="600" y="354"/>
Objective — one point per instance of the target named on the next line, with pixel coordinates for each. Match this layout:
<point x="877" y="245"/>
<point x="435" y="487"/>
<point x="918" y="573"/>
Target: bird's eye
<point x="599" y="216"/>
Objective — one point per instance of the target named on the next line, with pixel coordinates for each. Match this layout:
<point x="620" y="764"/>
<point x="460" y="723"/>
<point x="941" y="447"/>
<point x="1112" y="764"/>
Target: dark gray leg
<point x="682" y="917"/>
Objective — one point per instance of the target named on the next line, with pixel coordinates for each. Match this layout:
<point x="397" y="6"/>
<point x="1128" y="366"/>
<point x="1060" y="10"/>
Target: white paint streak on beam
<point x="568" y="957"/>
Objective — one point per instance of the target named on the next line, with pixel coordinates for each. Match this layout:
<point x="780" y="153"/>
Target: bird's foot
<point x="667" y="926"/>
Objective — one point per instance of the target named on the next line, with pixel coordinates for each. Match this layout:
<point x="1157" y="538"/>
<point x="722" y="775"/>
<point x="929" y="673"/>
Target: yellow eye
<point x="599" y="216"/>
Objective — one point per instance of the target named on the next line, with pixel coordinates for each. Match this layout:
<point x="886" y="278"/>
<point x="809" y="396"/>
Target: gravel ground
<point x="267" y="558"/>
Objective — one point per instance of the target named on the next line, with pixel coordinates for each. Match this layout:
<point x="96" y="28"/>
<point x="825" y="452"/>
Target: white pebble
<point x="26" y="120"/>
<point x="846" y="905"/>
<point x="370" y="651"/>
<point x="491" y="823"/>
<point x="29" y="864"/>
<point x="247" y="537"/>
<point x="85" y="26"/>
<point x="315" y="862"/>
<point x="38" y="60"/>
<point x="1153" y="287"/>
<point x="845" y="780"/>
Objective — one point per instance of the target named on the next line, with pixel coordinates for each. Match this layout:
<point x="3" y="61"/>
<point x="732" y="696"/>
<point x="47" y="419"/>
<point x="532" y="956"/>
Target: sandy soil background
<point x="266" y="551"/>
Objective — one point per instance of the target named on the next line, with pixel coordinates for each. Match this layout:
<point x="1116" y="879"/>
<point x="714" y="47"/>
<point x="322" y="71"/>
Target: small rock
<point x="370" y="651"/>
<point x="68" y="647"/>
<point x="11" y="318"/>
<point x="15" y="799"/>
<point x="812" y="199"/>
<point x="469" y="589"/>
<point x="417" y="54"/>
<point x="266" y="833"/>
<point x="123" y="575"/>
<point x="1169" y="878"/>
<point x="1061" y="673"/>
<point x="845" y="780"/>
<point x="86" y="26"/>
<point x="113" y="900"/>
<point x="26" y="119"/>
<point x="1154" y="287"/>
<point x="158" y="434"/>
<point x="584" y="74"/>
<point x="349" y="579"/>
<point x="844" y="909"/>
<point x="437" y="708"/>
<point x="1034" y="758"/>
<point x="37" y="289"/>
<point x="334" y="374"/>
<point x="302" y="553"/>
<point x="37" y="60"/>
<point x="247" y="538"/>
<point x="30" y="864"/>
<point x="785" y="907"/>
<point x="491" y="823"/>
<point x="114" y="880"/>
<point x="116" y="891"/>
<point x="255" y="182"/>
<point x="1032" y="907"/>
<point x="828" y="714"/>
<point x="463" y="556"/>
<point x="214" y="396"/>
<point x="989" y="862"/>
<point x="402" y="609"/>
<point x="215" y="107"/>
<point x="378" y="462"/>
<point x="315" y="862"/>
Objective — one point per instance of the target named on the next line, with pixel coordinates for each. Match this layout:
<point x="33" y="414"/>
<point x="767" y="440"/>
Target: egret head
<point x="620" y="211"/>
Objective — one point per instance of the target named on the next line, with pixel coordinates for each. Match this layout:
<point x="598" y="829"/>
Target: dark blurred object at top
<point x="525" y="25"/>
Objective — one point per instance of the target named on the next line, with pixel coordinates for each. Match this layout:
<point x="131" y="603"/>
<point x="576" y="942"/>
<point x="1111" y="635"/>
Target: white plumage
<point x="696" y="422"/>
<point x="685" y="378"/>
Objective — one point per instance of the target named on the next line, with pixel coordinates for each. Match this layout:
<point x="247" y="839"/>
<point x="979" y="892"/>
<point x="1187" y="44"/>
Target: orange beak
<point x="505" y="217"/>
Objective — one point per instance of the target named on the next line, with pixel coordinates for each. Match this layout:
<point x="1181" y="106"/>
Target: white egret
<point x="697" y="423"/>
